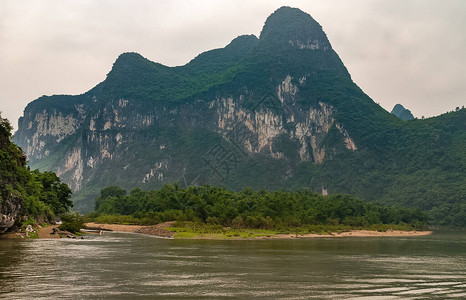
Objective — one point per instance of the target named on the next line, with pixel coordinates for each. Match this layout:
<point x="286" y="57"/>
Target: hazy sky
<point x="411" y="52"/>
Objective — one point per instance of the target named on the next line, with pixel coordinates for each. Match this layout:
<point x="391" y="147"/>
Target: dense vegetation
<point x="246" y="209"/>
<point x="37" y="195"/>
<point x="72" y="222"/>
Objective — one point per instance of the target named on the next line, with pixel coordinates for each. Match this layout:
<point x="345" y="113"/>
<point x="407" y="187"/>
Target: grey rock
<point x="9" y="210"/>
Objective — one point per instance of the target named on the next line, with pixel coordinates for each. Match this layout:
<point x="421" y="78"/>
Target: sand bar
<point x="159" y="230"/>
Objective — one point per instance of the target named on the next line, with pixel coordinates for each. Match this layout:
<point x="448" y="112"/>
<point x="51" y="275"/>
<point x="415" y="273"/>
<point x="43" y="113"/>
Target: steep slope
<point x="11" y="161"/>
<point x="25" y="194"/>
<point x="276" y="112"/>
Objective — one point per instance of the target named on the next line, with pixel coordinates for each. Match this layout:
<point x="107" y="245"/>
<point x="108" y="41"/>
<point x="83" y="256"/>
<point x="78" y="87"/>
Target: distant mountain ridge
<point x="402" y="113"/>
<point x="278" y="111"/>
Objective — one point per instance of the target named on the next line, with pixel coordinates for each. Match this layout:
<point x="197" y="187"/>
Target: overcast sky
<point x="411" y="52"/>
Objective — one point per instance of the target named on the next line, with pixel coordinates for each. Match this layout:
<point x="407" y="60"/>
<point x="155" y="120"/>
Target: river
<point x="128" y="266"/>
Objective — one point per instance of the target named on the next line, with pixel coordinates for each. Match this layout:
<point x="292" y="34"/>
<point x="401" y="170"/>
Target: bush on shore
<point x="72" y="222"/>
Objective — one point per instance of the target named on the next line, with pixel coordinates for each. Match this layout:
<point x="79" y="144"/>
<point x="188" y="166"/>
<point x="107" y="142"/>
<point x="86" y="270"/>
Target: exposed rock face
<point x="279" y="116"/>
<point x="9" y="211"/>
<point x="49" y="127"/>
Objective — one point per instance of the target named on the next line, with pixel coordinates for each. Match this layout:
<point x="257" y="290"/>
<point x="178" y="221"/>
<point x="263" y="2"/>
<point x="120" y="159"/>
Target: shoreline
<point x="160" y="230"/>
<point x="42" y="233"/>
<point x="357" y="233"/>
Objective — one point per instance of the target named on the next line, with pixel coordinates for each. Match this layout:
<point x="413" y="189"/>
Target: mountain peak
<point x="242" y="40"/>
<point x="132" y="64"/>
<point x="128" y="59"/>
<point x="401" y="112"/>
<point x="223" y="58"/>
<point x="295" y="28"/>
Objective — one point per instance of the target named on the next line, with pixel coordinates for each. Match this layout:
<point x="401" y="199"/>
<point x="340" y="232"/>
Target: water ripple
<point x="119" y="265"/>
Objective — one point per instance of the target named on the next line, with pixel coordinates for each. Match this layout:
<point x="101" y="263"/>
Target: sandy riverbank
<point x="355" y="233"/>
<point x="265" y="236"/>
<point x="46" y="232"/>
<point x="156" y="230"/>
<point x="113" y="227"/>
<point x="160" y="230"/>
<point x="42" y="233"/>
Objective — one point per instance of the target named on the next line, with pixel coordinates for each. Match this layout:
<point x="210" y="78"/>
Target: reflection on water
<point x="119" y="265"/>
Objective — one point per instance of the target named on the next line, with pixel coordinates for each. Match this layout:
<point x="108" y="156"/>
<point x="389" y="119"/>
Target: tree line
<point x="248" y="208"/>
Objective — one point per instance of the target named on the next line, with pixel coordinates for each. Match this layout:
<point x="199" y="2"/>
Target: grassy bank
<point x="192" y="230"/>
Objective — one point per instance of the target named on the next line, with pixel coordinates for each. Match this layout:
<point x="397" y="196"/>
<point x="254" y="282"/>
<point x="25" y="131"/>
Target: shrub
<point x="72" y="222"/>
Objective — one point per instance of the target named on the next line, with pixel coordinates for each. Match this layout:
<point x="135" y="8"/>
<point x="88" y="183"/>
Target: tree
<point x="111" y="191"/>
<point x="72" y="222"/>
<point x="54" y="193"/>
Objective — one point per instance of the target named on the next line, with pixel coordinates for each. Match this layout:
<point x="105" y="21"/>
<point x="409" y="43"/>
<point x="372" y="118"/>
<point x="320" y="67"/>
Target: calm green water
<point x="119" y="265"/>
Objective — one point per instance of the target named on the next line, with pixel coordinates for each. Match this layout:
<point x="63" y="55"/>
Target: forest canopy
<point x="251" y="208"/>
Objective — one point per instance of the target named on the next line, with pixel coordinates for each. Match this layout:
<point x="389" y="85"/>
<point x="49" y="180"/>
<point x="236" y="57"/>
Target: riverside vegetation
<point x="27" y="197"/>
<point x="249" y="213"/>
